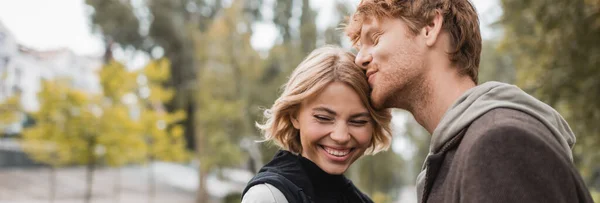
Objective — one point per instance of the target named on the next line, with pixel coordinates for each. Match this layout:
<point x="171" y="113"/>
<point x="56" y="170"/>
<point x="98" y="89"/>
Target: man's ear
<point x="432" y="30"/>
<point x="295" y="122"/>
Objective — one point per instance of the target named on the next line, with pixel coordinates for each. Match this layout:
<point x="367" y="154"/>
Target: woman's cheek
<point x="363" y="135"/>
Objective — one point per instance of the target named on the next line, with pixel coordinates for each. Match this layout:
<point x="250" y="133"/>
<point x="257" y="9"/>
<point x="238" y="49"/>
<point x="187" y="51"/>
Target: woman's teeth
<point x="336" y="152"/>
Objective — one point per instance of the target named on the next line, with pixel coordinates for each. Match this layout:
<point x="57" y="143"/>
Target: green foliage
<point x="231" y="67"/>
<point x="170" y="26"/>
<point x="308" y="28"/>
<point x="381" y="197"/>
<point x="74" y="127"/>
<point x="65" y="126"/>
<point x="116" y="81"/>
<point x="555" y="48"/>
<point x="161" y="129"/>
<point x="233" y="198"/>
<point x="117" y="21"/>
<point x="10" y="109"/>
<point x="334" y="34"/>
<point x="420" y="138"/>
<point x="495" y="65"/>
<point x="282" y="15"/>
<point x="378" y="174"/>
<point x="595" y="195"/>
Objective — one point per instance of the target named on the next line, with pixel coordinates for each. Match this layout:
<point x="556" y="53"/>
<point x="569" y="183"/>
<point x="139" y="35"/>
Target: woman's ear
<point x="295" y="122"/>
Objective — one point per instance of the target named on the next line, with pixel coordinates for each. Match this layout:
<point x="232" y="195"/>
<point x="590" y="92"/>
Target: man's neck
<point x="444" y="88"/>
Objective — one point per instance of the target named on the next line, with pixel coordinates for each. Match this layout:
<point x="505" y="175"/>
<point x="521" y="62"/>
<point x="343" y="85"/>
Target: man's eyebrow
<point x="366" y="33"/>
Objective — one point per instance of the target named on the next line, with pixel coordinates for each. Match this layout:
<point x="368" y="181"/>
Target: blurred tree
<point x="282" y="60"/>
<point x="495" y="65"/>
<point x="160" y="26"/>
<point x="161" y="130"/>
<point x="282" y="12"/>
<point x="227" y="81"/>
<point x="10" y="111"/>
<point x="308" y="28"/>
<point x="555" y="47"/>
<point x="118" y="23"/>
<point x="174" y="28"/>
<point x="73" y="127"/>
<point x="161" y="127"/>
<point x="378" y="175"/>
<point x="419" y="138"/>
<point x="334" y="34"/>
<point x="65" y="130"/>
<point x="117" y="84"/>
<point x="161" y="136"/>
<point x="381" y="197"/>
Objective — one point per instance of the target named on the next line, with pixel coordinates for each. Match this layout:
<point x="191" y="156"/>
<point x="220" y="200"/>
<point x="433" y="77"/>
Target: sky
<point x="54" y="24"/>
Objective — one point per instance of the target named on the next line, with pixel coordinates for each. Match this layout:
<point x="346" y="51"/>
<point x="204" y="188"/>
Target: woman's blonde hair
<point x="320" y="68"/>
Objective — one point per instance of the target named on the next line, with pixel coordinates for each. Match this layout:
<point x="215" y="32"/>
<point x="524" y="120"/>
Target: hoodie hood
<point x="491" y="95"/>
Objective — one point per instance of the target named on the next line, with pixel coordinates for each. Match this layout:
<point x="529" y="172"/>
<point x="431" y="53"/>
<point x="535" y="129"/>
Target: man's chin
<point x="377" y="102"/>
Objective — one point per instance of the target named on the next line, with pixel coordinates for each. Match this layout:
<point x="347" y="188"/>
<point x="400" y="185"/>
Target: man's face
<point x="393" y="58"/>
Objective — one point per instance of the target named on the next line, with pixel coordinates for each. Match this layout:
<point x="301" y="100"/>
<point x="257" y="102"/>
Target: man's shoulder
<point x="508" y="130"/>
<point x="507" y="118"/>
<point x="509" y="156"/>
<point x="507" y="122"/>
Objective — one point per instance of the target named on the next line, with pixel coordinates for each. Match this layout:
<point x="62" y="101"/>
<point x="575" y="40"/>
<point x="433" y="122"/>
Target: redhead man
<point x="490" y="142"/>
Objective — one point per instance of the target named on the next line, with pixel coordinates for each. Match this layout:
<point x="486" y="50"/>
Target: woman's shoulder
<point x="264" y="193"/>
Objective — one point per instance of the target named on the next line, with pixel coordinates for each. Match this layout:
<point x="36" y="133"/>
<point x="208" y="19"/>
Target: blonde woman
<point x="323" y="122"/>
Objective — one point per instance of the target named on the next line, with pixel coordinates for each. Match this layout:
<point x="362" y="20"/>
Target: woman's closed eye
<point x="359" y="122"/>
<point x="322" y="118"/>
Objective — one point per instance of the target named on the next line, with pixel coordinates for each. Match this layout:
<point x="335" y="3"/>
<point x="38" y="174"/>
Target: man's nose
<point x="363" y="58"/>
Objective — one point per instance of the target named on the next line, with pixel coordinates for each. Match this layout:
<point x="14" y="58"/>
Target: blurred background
<point x="156" y="100"/>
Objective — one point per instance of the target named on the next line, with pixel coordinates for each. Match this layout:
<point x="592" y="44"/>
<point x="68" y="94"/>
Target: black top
<point x="301" y="180"/>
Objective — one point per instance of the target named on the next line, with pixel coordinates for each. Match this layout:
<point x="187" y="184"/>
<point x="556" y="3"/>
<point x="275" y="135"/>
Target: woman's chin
<point x="335" y="170"/>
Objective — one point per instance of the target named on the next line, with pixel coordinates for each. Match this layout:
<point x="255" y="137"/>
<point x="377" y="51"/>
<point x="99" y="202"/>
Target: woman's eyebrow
<point x="332" y="112"/>
<point x="363" y="114"/>
<point x="325" y="109"/>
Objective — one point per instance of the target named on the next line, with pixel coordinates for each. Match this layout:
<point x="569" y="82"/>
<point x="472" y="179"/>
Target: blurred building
<point x="23" y="69"/>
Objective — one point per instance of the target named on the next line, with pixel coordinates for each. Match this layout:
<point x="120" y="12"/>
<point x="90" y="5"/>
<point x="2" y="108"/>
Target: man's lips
<point x="370" y="72"/>
<point x="370" y="78"/>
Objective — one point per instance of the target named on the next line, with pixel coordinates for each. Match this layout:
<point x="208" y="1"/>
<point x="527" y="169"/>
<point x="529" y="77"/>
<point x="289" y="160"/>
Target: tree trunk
<point x="52" y="182"/>
<point x="151" y="183"/>
<point x="202" y="195"/>
<point x="91" y="166"/>
<point x="117" y="185"/>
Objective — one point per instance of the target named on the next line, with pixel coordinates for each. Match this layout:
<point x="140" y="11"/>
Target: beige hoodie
<point x="485" y="97"/>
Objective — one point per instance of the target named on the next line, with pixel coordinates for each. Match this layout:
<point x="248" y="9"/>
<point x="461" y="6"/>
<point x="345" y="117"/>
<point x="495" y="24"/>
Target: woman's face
<point x="335" y="128"/>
